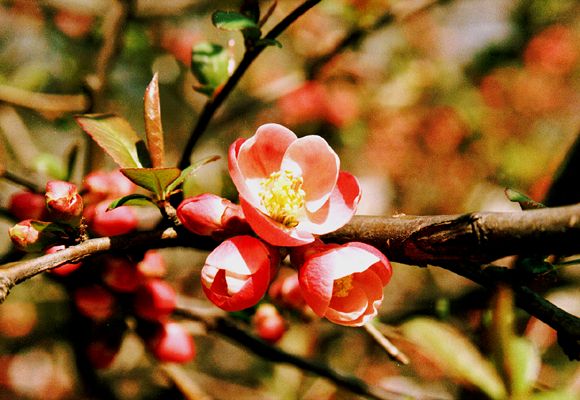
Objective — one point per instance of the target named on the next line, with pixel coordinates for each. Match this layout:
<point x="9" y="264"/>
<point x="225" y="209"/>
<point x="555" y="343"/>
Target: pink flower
<point x="291" y="188"/>
<point x="236" y="274"/>
<point x="345" y="284"/>
<point x="208" y="215"/>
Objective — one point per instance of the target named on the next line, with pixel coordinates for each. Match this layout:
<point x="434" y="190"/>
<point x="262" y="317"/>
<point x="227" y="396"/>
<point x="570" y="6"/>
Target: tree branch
<point x="227" y="327"/>
<point x="212" y="104"/>
<point x="475" y="237"/>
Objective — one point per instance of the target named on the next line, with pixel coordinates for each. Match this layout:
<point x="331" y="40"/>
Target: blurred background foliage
<point x="435" y="114"/>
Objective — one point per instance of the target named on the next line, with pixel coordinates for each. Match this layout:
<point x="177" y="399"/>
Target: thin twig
<point x="386" y="344"/>
<point x="228" y="328"/>
<point x="54" y="103"/>
<point x="213" y="104"/>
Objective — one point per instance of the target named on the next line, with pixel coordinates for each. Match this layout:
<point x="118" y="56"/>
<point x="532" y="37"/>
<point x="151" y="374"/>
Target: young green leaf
<point x="115" y="136"/>
<point x="189" y="171"/>
<point x="153" y="127"/>
<point x="456" y="355"/>
<point x="526" y="203"/>
<point x="232" y="21"/>
<point x="155" y="180"/>
<point x="135" y="199"/>
<point x="209" y="64"/>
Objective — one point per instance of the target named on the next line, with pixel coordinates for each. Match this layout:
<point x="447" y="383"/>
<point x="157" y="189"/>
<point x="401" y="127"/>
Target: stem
<point x="228" y="328"/>
<point x="213" y="104"/>
<point x="386" y="344"/>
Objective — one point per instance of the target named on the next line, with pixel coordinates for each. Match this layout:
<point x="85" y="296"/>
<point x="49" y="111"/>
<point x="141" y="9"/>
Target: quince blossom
<point x="237" y="273"/>
<point x="345" y="283"/>
<point x="291" y="188"/>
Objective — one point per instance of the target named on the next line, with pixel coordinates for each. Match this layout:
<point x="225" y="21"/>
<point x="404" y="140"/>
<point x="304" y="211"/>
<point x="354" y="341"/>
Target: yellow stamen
<point x="342" y="286"/>
<point x="283" y="197"/>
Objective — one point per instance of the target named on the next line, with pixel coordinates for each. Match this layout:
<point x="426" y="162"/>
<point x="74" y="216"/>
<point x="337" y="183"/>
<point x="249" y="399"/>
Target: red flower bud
<point x="172" y="343"/>
<point x="268" y="323"/>
<point x="27" y="205"/>
<point x="208" y="214"/>
<point x="285" y="290"/>
<point x="121" y="275"/>
<point x="64" y="269"/>
<point x="115" y="222"/>
<point x="94" y="302"/>
<point x="63" y="201"/>
<point x="236" y="274"/>
<point x="155" y="300"/>
<point x="31" y="236"/>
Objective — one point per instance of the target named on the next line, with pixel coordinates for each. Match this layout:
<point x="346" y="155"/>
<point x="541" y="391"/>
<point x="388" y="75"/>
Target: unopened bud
<point x="209" y="215"/>
<point x="64" y="202"/>
<point x="31" y="236"/>
<point x="268" y="323"/>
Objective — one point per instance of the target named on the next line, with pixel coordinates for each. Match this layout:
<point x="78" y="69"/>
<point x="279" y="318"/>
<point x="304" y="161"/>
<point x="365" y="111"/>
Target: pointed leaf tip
<point x="153" y="125"/>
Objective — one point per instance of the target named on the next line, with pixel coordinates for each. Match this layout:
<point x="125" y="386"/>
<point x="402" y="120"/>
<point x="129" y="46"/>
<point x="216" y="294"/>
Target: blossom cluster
<point x="291" y="190"/>
<point x="108" y="288"/>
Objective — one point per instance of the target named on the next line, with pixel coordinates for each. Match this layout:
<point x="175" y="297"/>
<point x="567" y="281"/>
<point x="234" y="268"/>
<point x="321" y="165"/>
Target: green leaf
<point x="155" y="180"/>
<point x="134" y="199"/>
<point x="115" y="136"/>
<point x="526" y="203"/>
<point x="209" y="64"/>
<point x="523" y="365"/>
<point x="455" y="354"/>
<point x="153" y="127"/>
<point x="189" y="171"/>
<point x="268" y="42"/>
<point x="232" y="21"/>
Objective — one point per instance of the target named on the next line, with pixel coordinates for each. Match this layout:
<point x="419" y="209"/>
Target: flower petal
<point x="316" y="283"/>
<point x="242" y="255"/>
<point x="338" y="210"/>
<point x="271" y="231"/>
<point x="262" y="154"/>
<point x="382" y="268"/>
<point x="312" y="158"/>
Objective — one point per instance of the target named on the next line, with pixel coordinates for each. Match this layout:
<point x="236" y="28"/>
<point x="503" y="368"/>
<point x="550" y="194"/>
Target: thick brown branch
<point x="476" y="237"/>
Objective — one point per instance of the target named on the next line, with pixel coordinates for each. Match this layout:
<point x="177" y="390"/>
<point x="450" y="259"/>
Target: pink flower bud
<point x="345" y="284"/>
<point x="94" y="302"/>
<point x="31" y="236"/>
<point x="27" y="205"/>
<point x="120" y="274"/>
<point x="236" y="274"/>
<point x="269" y="324"/>
<point x="172" y="343"/>
<point x="155" y="300"/>
<point x="115" y="222"/>
<point x="208" y="215"/>
<point x="64" y="269"/>
<point x="63" y="201"/>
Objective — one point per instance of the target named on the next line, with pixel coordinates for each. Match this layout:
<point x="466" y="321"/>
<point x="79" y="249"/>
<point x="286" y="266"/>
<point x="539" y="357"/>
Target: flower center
<point x="342" y="286"/>
<point x="283" y="197"/>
